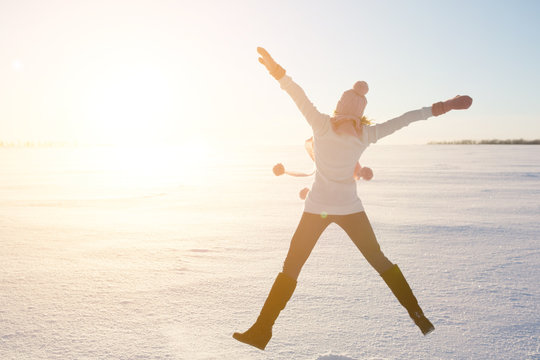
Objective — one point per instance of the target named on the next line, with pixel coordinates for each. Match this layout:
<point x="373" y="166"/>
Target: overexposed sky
<point x="166" y="71"/>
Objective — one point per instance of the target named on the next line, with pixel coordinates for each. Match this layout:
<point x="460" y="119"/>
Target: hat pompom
<point x="366" y="173"/>
<point x="361" y="88"/>
<point x="278" y="169"/>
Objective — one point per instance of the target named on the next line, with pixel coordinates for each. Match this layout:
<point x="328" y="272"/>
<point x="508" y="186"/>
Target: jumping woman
<point x="338" y="143"/>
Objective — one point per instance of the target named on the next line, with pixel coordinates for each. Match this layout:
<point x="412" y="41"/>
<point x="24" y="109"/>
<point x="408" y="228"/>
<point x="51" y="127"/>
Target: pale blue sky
<point x="106" y="71"/>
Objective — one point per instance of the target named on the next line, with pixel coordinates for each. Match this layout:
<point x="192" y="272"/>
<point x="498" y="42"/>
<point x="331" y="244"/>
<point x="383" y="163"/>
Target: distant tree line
<point x="487" y="142"/>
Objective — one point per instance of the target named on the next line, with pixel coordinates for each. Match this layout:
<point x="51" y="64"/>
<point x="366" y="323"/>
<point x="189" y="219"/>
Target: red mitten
<point x="460" y="102"/>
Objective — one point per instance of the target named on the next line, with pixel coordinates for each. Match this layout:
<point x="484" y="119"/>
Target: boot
<point x="260" y="333"/>
<point x="399" y="286"/>
<point x="457" y="103"/>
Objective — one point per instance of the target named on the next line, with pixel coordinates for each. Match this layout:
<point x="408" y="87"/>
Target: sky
<point x="131" y="71"/>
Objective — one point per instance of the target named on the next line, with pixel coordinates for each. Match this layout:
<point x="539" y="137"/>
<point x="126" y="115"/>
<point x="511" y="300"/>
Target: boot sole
<point x="428" y="331"/>
<point x="425" y="326"/>
<point x="245" y="340"/>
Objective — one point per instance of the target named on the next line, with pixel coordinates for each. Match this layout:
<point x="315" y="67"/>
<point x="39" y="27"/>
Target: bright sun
<point x="130" y="106"/>
<point x="138" y="109"/>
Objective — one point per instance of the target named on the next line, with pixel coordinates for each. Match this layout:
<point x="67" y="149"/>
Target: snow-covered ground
<point x="101" y="260"/>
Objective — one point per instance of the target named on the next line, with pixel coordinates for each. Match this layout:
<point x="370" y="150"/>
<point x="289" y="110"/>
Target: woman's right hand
<point x="273" y="68"/>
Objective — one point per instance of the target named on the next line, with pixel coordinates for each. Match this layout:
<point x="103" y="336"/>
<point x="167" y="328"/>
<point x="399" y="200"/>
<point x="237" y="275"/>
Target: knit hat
<point x="353" y="101"/>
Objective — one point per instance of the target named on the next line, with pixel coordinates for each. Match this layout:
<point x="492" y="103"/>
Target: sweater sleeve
<point x="318" y="121"/>
<point x="379" y="131"/>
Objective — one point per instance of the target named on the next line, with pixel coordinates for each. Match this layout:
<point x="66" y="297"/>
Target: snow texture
<point x="102" y="261"/>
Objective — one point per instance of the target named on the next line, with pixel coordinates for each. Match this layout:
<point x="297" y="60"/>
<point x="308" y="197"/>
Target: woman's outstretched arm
<point x="318" y="121"/>
<point x="388" y="127"/>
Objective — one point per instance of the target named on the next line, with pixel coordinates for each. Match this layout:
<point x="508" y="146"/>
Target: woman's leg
<point x="305" y="237"/>
<point x="359" y="229"/>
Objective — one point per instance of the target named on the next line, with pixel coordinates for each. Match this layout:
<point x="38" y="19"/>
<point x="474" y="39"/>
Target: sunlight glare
<point x="150" y="166"/>
<point x="17" y="65"/>
<point x="129" y="106"/>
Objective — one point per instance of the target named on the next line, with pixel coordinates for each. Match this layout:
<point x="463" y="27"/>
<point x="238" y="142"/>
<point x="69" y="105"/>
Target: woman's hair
<point x="365" y="121"/>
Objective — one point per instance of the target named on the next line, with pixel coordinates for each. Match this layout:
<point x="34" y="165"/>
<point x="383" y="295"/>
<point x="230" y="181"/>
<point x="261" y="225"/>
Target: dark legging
<point x="311" y="227"/>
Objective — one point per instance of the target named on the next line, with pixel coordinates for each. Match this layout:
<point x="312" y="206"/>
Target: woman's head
<point x="353" y="101"/>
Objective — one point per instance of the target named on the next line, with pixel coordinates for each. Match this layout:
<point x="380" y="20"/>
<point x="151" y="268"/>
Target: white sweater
<point x="334" y="189"/>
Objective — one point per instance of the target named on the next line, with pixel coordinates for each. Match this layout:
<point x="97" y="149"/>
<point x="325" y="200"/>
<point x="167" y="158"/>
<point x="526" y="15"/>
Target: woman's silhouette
<point x="338" y="143"/>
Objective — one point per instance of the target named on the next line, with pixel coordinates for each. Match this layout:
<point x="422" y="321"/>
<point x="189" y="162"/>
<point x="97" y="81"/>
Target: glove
<point x="274" y="68"/>
<point x="460" y="102"/>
